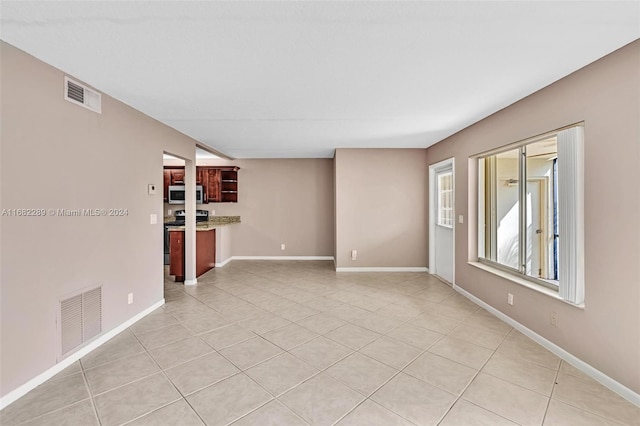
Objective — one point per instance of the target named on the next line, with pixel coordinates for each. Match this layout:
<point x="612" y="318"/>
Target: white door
<point x="442" y="221"/>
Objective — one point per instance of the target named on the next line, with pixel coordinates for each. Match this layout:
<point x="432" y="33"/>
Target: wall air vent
<point x="80" y="94"/>
<point x="80" y="319"/>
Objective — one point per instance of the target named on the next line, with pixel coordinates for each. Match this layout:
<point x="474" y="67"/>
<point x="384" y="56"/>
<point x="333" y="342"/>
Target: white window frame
<point x="441" y="218"/>
<point x="570" y="142"/>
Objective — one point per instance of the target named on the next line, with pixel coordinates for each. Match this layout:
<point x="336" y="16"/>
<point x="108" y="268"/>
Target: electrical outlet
<point x="354" y="254"/>
<point x="282" y="246"/>
<point x="130" y="298"/>
<point x="510" y="299"/>
<point x="169" y="212"/>
<point x="554" y="319"/>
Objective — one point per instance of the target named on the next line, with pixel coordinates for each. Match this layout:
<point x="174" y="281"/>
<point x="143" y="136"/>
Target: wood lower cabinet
<point x="205" y="253"/>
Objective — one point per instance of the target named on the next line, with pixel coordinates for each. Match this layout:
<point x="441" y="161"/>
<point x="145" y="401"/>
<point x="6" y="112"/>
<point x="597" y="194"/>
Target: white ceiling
<point x="299" y="79"/>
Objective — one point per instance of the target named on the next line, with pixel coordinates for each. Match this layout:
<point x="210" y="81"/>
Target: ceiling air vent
<point x="80" y="94"/>
<point x="80" y="319"/>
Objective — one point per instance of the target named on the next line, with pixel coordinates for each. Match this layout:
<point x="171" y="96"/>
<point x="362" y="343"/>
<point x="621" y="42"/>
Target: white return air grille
<point x="80" y="94"/>
<point x="80" y="319"/>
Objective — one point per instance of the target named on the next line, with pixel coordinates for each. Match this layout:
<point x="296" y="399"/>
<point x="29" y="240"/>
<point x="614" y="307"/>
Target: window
<point x="530" y="210"/>
<point x="445" y="199"/>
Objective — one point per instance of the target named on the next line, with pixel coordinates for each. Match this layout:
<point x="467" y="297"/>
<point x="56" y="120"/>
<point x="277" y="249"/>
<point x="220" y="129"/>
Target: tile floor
<point x="295" y="343"/>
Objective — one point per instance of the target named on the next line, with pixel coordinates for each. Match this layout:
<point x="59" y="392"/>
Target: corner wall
<point x="606" y="96"/>
<point x="381" y="207"/>
<point x="57" y="155"/>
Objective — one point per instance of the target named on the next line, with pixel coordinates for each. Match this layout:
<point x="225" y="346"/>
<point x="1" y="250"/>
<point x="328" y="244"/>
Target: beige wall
<point x="280" y="201"/>
<point x="606" y="96"/>
<point x="55" y="154"/>
<point x="381" y="207"/>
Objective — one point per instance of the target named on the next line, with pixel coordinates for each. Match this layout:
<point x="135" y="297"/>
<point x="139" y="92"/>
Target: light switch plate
<point x="460" y="219"/>
<point x="153" y="219"/>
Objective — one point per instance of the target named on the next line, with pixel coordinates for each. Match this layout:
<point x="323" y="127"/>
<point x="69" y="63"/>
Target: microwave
<point x="176" y="194"/>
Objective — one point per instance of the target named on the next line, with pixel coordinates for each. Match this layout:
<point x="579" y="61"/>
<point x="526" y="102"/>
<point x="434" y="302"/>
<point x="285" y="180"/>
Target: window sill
<point x="526" y="283"/>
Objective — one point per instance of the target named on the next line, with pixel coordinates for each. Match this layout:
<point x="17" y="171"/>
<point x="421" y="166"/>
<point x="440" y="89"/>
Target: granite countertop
<point x="213" y="223"/>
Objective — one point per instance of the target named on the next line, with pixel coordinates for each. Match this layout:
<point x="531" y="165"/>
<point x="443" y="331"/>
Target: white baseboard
<point x="384" y="269"/>
<point x="46" y="375"/>
<point x="281" y="257"/>
<point x="191" y="282"/>
<point x="590" y="371"/>
<point x="224" y="262"/>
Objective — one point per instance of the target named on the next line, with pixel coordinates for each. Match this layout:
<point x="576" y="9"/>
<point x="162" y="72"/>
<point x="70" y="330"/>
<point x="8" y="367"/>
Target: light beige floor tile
<point x="464" y="413"/>
<point x="528" y="375"/>
<point x="242" y="313"/>
<point x="415" y="400"/>
<point x="434" y="322"/>
<point x="466" y="353"/>
<point x="483" y="320"/>
<point x="591" y="396"/>
<point x="135" y="399"/>
<point x="81" y="413"/>
<point x="201" y="372"/>
<point x="120" y="372"/>
<point x="264" y="323"/>
<point x="377" y="322"/>
<point x="522" y="348"/>
<point x="296" y="312"/>
<point x="415" y="336"/>
<point x="486" y="339"/>
<point x="121" y="346"/>
<point x="74" y="368"/>
<point x="517" y="404"/>
<point x="347" y="312"/>
<point x="391" y="352"/>
<point x="371" y="414"/>
<point x="153" y="322"/>
<point x="49" y="396"/>
<point x="321" y="400"/>
<point x="456" y="313"/>
<point x="271" y="414"/>
<point x="441" y="372"/>
<point x="352" y="336"/>
<point x="321" y="352"/>
<point x="403" y="313"/>
<point x="281" y="373"/>
<point x="251" y="352"/>
<point x="192" y="312"/>
<point x="322" y="303"/>
<point x="180" y="352"/>
<point x="205" y="323"/>
<point x="178" y="413"/>
<point x="290" y="336"/>
<point x="164" y="336"/>
<point x="228" y="400"/>
<point x="321" y="323"/>
<point x="361" y="373"/>
<point x="227" y="336"/>
<point x="567" y="368"/>
<point x="559" y="414"/>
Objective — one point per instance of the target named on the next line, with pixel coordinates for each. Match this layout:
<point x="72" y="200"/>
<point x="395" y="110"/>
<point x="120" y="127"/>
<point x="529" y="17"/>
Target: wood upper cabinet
<point x="220" y="183"/>
<point x="211" y="183"/>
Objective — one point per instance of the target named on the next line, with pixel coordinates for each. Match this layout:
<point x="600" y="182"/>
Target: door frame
<point x="448" y="163"/>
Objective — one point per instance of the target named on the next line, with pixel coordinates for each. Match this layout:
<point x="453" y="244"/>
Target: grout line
<point x="91" y="396"/>
<point x="555" y="382"/>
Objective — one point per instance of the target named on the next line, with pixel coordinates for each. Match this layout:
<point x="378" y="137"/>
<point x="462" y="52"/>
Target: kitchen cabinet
<point x="205" y="253"/>
<point x="220" y="183"/>
<point x="165" y="184"/>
